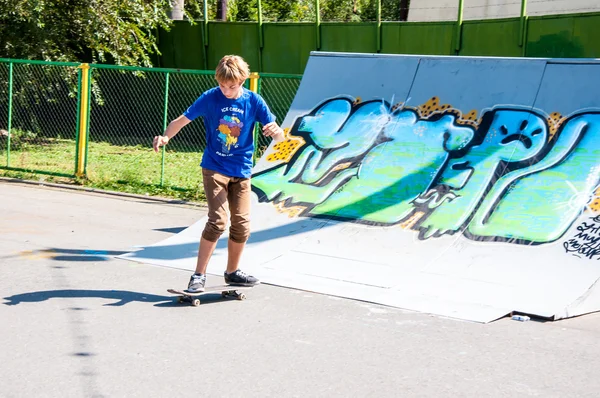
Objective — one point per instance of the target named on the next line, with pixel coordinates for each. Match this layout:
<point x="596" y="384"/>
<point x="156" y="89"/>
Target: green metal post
<point x="87" y="116"/>
<point x="523" y="24"/>
<point x="254" y="85"/>
<point x="83" y="119"/>
<point x="10" y="98"/>
<point x="258" y="86"/>
<point x="205" y="14"/>
<point x="205" y="31"/>
<point x="523" y="8"/>
<point x="318" y="23"/>
<point x="77" y="126"/>
<point x="260" y="35"/>
<point x="165" y="122"/>
<point x="260" y="22"/>
<point x="459" y="23"/>
<point x="378" y="25"/>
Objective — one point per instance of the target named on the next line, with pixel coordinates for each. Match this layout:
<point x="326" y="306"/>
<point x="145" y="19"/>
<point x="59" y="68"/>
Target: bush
<point x="19" y="139"/>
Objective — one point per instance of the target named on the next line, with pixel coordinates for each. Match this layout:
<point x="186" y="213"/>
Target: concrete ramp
<point x="462" y="187"/>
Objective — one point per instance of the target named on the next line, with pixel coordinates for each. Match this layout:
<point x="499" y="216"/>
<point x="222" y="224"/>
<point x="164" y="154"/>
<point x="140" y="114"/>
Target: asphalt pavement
<point x="77" y="322"/>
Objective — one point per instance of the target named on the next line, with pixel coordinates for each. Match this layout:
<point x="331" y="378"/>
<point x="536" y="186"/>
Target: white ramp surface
<point x="403" y="182"/>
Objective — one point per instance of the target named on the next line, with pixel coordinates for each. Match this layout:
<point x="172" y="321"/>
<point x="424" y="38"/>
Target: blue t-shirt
<point x="229" y="129"/>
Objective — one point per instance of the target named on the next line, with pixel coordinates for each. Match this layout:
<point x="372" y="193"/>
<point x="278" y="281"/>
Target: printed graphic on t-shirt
<point x="229" y="128"/>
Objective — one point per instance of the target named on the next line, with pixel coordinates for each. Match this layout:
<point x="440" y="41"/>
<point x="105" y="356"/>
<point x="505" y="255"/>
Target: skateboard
<point x="226" y="291"/>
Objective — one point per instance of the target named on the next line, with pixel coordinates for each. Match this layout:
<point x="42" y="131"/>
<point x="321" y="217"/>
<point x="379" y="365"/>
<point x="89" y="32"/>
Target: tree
<point x="113" y="31"/>
<point x="246" y="10"/>
<point x="124" y="32"/>
<point x="292" y="10"/>
<point x="303" y="10"/>
<point x="177" y="9"/>
<point x="403" y="12"/>
<point x="195" y="9"/>
<point x="222" y="10"/>
<point x="272" y="10"/>
<point x="340" y="10"/>
<point x="391" y="10"/>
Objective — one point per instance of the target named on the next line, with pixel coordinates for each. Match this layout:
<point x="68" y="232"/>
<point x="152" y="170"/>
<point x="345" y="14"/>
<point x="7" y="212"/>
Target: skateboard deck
<point x="226" y="291"/>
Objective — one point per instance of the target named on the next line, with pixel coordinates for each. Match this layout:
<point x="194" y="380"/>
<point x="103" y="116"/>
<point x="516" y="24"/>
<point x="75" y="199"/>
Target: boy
<point x="230" y="112"/>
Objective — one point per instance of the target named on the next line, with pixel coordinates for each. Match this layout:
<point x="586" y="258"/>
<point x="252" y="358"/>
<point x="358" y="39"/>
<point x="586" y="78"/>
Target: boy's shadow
<point x="122" y="297"/>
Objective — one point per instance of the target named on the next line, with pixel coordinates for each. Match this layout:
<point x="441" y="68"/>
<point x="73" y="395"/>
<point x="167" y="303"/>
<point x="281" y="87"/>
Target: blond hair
<point x="232" y="68"/>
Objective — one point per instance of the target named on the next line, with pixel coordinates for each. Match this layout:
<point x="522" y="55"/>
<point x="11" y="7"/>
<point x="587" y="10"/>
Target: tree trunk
<point x="222" y="10"/>
<point x="404" y="5"/>
<point x="176" y="13"/>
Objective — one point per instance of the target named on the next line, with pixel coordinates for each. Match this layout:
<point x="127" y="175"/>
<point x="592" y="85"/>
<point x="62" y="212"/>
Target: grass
<point x="132" y="169"/>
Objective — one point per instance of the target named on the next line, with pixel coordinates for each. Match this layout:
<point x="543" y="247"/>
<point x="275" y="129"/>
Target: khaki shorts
<point x="222" y="193"/>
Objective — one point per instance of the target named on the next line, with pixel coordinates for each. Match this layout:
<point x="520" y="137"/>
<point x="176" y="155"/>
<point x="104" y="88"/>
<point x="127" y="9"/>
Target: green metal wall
<point x="240" y="38"/>
<point x="182" y="47"/>
<point x="571" y="36"/>
<point x="286" y="46"/>
<point x="349" y="37"/>
<point x="433" y="38"/>
<point x="499" y="37"/>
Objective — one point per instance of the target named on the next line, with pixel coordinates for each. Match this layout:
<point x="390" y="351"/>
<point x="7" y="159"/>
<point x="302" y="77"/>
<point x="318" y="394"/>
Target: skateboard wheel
<point x="224" y="294"/>
<point x="180" y="299"/>
<point x="241" y="296"/>
<point x="196" y="302"/>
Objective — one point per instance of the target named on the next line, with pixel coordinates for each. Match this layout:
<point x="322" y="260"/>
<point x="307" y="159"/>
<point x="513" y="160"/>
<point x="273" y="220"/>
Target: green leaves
<point x="302" y="10"/>
<point x="114" y="31"/>
<point x="124" y="32"/>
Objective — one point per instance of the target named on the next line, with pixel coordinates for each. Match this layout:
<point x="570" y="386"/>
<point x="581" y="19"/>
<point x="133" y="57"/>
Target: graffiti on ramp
<point x="511" y="174"/>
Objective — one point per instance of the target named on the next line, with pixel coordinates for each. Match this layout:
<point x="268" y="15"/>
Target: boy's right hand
<point x="159" y="140"/>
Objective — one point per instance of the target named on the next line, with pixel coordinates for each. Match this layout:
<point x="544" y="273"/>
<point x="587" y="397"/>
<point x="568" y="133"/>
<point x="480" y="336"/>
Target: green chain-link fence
<point x="279" y="92"/>
<point x="49" y="119"/>
<point x="39" y="102"/>
<point x="4" y="76"/>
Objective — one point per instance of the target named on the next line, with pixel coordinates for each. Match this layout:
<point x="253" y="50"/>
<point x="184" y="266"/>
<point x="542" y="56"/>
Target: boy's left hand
<point x="273" y="130"/>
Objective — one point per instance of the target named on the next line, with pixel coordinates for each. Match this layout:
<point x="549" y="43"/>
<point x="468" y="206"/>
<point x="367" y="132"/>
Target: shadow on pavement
<point x="60" y="254"/>
<point x="122" y="297"/>
<point x="174" y="230"/>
